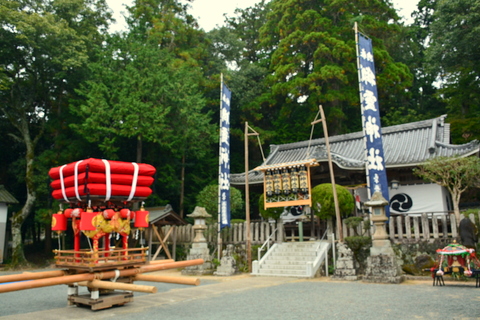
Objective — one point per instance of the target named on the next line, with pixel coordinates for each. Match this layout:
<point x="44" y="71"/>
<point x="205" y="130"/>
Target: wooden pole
<point x="332" y="174"/>
<point x="8" y="287"/>
<point x="167" y="279"/>
<point x="247" y="203"/>
<point x="161" y="261"/>
<point x="98" y="284"/>
<point x="32" y="276"/>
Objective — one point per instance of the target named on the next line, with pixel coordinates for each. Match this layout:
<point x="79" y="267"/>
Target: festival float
<point x="456" y="260"/>
<point x="99" y="195"/>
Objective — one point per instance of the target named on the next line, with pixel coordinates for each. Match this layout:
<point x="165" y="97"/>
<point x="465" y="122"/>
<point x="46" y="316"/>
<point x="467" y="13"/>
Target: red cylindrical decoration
<point x="68" y="212"/>
<point x="141" y="219"/>
<point x="59" y="222"/>
<point x="125" y="213"/>
<point x="108" y="213"/>
<point x="86" y="220"/>
<point x="76" y="213"/>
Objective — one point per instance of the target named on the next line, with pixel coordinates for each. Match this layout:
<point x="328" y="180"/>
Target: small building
<point x="5" y="199"/>
<point x="405" y="147"/>
<point x="159" y="217"/>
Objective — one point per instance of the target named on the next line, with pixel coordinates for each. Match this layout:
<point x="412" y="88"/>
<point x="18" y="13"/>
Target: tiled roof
<point x="5" y="196"/>
<point x="404" y="145"/>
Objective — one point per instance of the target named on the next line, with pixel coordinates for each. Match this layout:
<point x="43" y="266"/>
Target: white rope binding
<point x="76" y="180"/>
<point x="134" y="181"/>
<point x="108" y="180"/>
<point x="62" y="183"/>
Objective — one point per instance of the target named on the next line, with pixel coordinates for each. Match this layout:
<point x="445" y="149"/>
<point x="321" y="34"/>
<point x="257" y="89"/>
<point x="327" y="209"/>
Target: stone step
<point x="285" y="262"/>
<point x="283" y="267"/>
<point x="277" y="272"/>
<point x="294" y="249"/>
<point x="294" y="254"/>
<point x="291" y="258"/>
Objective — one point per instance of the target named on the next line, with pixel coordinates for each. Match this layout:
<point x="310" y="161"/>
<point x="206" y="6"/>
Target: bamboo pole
<point x="167" y="279"/>
<point x="98" y="284"/>
<point x="92" y="276"/>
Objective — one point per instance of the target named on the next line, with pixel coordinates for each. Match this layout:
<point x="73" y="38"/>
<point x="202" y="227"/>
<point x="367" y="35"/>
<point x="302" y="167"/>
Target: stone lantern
<point x="199" y="215"/>
<point x="199" y="249"/>
<point x="382" y="265"/>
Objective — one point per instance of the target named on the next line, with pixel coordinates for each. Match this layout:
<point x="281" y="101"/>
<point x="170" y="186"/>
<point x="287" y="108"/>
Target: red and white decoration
<point x="101" y="179"/>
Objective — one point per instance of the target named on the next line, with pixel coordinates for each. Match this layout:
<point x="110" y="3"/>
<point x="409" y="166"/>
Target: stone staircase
<point x="292" y="259"/>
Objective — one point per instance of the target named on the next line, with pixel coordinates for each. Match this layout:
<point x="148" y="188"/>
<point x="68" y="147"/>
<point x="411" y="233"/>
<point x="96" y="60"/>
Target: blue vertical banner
<point x="224" y="170"/>
<point x="375" y="160"/>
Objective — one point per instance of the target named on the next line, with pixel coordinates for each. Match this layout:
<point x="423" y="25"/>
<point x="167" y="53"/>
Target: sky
<point x="209" y="13"/>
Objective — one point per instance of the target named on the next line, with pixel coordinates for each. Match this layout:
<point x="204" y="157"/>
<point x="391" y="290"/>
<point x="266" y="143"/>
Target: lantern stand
<point x="382" y="266"/>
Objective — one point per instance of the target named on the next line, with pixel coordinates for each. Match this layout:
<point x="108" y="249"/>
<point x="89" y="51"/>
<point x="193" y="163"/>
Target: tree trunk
<point x="456" y="205"/>
<point x="139" y="149"/>
<point x="182" y="186"/>
<point x="18" y="256"/>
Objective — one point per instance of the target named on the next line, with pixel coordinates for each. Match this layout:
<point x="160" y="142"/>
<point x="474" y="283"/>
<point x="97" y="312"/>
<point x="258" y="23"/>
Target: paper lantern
<point x="59" y="222"/>
<point x="86" y="221"/>
<point x="125" y="213"/>
<point x="108" y="213"/>
<point x="141" y="218"/>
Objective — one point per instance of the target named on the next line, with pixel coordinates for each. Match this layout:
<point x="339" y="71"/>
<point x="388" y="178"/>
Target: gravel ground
<point x="248" y="297"/>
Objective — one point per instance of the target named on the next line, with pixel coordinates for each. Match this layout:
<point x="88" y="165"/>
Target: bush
<point x="323" y="204"/>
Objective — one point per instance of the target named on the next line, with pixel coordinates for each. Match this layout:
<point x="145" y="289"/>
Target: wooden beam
<point x="98" y="284"/>
<point x="167" y="279"/>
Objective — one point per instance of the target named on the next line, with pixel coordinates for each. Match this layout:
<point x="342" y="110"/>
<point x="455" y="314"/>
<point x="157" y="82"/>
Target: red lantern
<point x="127" y="214"/>
<point x="73" y="213"/>
<point x="59" y="222"/>
<point x="108" y="213"/>
<point x="141" y="218"/>
<point x="86" y="220"/>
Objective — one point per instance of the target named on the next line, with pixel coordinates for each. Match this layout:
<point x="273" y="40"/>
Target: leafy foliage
<point x="270" y="213"/>
<point x="454" y="173"/>
<point x="323" y="204"/>
<point x="208" y="199"/>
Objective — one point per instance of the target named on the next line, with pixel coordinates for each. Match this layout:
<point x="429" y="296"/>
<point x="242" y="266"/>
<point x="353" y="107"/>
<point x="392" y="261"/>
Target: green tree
<point x="454" y="54"/>
<point x="323" y="204"/>
<point x="42" y="52"/>
<point x="208" y="199"/>
<point x="314" y="62"/>
<point x="454" y="173"/>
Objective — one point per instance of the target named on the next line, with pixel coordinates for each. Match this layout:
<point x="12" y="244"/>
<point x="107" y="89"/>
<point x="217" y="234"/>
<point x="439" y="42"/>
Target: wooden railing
<point x="95" y="260"/>
<point x="402" y="228"/>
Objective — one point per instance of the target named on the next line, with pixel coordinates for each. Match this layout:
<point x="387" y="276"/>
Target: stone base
<point x="199" y="251"/>
<point x="225" y="271"/>
<point x="345" y="267"/>
<point x="382" y="268"/>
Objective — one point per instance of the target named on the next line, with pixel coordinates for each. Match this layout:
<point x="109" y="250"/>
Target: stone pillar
<point x="345" y="264"/>
<point x="382" y="265"/>
<point x="199" y="248"/>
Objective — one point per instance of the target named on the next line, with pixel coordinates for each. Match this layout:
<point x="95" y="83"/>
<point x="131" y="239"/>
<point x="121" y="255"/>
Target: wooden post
<point x="332" y="174"/>
<point x="247" y="201"/>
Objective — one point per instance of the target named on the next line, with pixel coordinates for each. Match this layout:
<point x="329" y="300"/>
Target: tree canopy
<point x="454" y="173"/>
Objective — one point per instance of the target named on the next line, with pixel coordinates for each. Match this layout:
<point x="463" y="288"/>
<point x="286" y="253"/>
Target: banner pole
<point x="219" y="229"/>
<point x="247" y="202"/>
